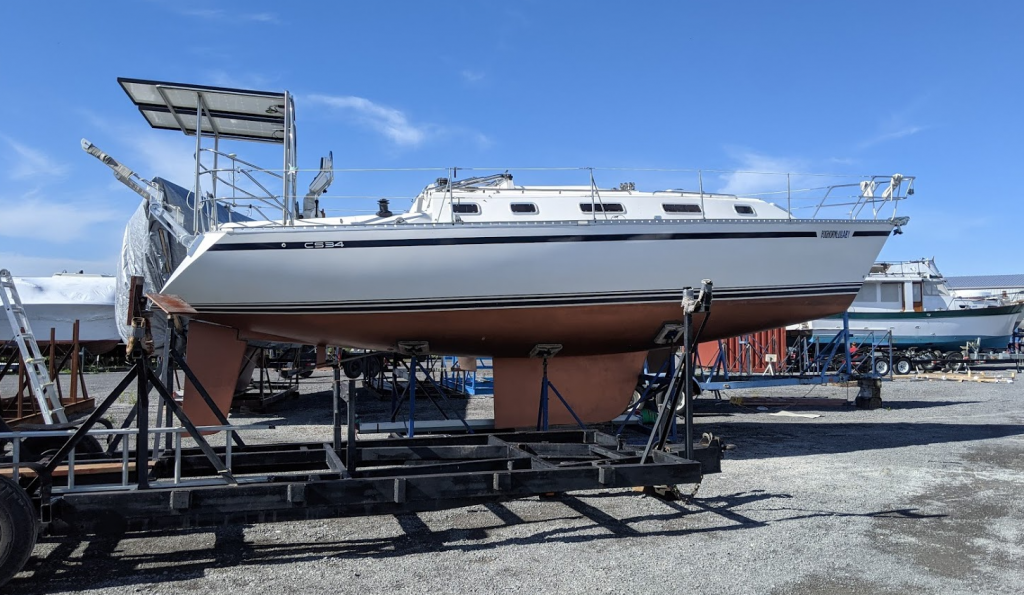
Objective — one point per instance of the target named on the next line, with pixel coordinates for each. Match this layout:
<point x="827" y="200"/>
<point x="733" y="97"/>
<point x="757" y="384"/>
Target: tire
<point x="881" y="366"/>
<point x="36" y="448"/>
<point x="305" y="373"/>
<point x="19" y="528"/>
<point x="902" y="366"/>
<point x="954" y="361"/>
<point x="352" y="368"/>
<point x="372" y="366"/>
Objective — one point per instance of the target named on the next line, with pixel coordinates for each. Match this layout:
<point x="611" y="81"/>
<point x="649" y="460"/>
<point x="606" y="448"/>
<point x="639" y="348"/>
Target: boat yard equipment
<point x="135" y="489"/>
<point x="43" y="388"/>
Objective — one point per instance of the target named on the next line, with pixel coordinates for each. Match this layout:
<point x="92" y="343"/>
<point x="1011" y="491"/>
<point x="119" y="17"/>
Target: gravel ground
<point x="921" y="496"/>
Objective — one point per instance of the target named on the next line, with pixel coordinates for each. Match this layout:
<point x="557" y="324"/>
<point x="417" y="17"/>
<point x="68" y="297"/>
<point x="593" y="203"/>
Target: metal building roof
<point x="985" y="281"/>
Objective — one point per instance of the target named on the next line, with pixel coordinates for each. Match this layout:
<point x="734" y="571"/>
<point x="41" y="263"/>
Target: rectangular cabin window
<point x="744" y="209"/>
<point x="892" y="293"/>
<point x="674" y="207"/>
<point x="466" y="208"/>
<point x="524" y="208"/>
<point x="868" y="294"/>
<point x="608" y="207"/>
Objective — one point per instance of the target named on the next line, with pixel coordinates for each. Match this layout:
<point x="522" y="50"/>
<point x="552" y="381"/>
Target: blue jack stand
<point x="545" y="351"/>
<point x="417" y="350"/>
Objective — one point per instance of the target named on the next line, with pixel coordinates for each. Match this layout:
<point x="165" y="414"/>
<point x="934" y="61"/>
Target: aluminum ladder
<point x="43" y="388"/>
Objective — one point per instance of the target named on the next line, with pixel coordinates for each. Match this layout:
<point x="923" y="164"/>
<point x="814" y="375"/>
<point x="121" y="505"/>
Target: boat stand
<point x="651" y="392"/>
<point x="682" y="380"/>
<point x="263" y="392"/>
<point x="416" y="349"/>
<point x="546" y="351"/>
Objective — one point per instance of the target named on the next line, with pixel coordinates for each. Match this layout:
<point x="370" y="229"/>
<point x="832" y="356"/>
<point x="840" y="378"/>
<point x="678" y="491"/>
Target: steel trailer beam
<point x="445" y="482"/>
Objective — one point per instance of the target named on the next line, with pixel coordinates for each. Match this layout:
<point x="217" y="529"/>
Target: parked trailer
<point x="907" y="361"/>
<point x="79" y="490"/>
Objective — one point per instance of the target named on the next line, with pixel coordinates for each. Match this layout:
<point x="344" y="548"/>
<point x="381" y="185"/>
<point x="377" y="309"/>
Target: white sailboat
<point x="488" y="267"/>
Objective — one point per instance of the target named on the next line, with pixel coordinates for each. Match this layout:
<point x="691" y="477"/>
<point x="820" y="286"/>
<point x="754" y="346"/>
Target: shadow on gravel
<point x="121" y="561"/>
<point x="316" y="408"/>
<point x="923" y="404"/>
<point x="725" y="408"/>
<point x="107" y="562"/>
<point x="781" y="439"/>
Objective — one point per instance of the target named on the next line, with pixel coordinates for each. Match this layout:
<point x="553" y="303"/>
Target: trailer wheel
<point x="902" y="366"/>
<point x="954" y="361"/>
<point x="881" y="366"/>
<point x="18" y="528"/>
<point x="34" y="449"/>
<point x="373" y="366"/>
<point x="353" y="368"/>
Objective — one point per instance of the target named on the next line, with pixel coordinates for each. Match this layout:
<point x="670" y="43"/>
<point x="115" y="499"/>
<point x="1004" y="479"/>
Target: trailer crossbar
<point x="390" y="479"/>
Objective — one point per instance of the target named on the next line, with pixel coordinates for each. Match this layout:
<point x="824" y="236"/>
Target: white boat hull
<point x="595" y="287"/>
<point x="57" y="302"/>
<point x="944" y="330"/>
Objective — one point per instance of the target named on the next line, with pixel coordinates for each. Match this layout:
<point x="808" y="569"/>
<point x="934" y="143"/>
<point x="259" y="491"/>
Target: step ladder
<point x="43" y="388"/>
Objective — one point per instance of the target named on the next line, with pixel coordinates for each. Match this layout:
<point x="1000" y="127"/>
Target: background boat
<point x="913" y="300"/>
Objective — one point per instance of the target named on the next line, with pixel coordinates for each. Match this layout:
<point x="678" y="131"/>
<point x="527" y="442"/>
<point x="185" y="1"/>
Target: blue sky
<point x="929" y="89"/>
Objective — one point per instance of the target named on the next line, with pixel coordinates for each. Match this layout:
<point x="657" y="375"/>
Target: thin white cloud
<point x="393" y="123"/>
<point x="37" y="217"/>
<point x="149" y="153"/>
<point x="217" y="14"/>
<point x="22" y="265"/>
<point x="758" y="174"/>
<point x="31" y="163"/>
<point x="204" y="13"/>
<point x="263" y="17"/>
<point x="164" y="155"/>
<point x="898" y="124"/>
<point x="473" y="76"/>
<point x="890" y="134"/>
<point x="170" y="155"/>
<point x="786" y="181"/>
<point x="390" y="122"/>
<point x="482" y="140"/>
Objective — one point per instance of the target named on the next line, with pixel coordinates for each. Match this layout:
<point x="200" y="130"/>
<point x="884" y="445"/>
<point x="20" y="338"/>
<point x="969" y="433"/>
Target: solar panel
<point x="230" y="113"/>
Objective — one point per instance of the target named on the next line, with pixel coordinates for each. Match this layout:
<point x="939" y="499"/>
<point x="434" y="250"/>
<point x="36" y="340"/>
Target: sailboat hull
<point x="498" y="290"/>
<point x="601" y="289"/>
<point x="513" y="332"/>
